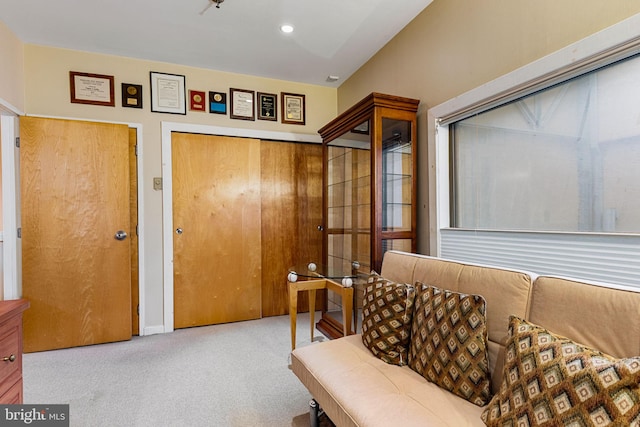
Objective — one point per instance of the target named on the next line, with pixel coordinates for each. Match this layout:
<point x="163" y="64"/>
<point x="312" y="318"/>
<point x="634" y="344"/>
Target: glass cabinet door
<point x="348" y="200"/>
<point x="397" y="184"/>
<point x="348" y="226"/>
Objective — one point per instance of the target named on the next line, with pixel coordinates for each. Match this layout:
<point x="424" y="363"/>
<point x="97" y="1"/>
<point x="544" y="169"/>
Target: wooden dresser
<point x="11" y="350"/>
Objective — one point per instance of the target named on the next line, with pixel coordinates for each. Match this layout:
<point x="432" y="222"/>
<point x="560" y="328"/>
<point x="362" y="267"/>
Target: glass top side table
<point x="317" y="276"/>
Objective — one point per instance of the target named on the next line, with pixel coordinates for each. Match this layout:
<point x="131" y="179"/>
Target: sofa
<point x="354" y="387"/>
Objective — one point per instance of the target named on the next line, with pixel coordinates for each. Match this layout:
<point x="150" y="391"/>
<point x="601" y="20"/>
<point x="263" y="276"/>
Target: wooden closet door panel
<point x="291" y="213"/>
<point x="75" y="197"/>
<point x="216" y="206"/>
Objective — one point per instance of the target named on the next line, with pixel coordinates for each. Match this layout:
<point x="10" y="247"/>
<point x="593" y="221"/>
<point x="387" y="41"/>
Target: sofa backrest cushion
<point x="505" y="291"/>
<point x="601" y="316"/>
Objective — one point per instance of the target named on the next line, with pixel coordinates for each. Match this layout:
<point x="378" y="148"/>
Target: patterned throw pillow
<point x="449" y="342"/>
<point x="550" y="380"/>
<point x="386" y="318"/>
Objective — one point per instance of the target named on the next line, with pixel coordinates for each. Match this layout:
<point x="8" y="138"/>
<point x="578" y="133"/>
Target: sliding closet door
<point x="291" y="214"/>
<point x="217" y="234"/>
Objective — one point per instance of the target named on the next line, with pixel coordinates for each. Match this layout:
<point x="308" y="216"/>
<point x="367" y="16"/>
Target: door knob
<point x="178" y="230"/>
<point x="121" y="235"/>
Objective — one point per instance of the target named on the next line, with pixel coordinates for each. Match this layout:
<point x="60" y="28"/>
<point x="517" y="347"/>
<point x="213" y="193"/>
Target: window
<point x="566" y="158"/>
<point x="540" y="169"/>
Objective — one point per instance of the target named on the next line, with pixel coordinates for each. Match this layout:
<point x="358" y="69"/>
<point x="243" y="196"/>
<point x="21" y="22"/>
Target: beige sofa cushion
<point x="357" y="389"/>
<point x="600" y="316"/>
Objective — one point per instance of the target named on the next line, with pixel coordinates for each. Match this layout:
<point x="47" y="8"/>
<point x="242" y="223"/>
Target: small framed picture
<point x="218" y="102"/>
<point x="242" y="104"/>
<point x="197" y="101"/>
<point x="267" y="106"/>
<point x="293" y="108"/>
<point x="131" y="95"/>
<point x="168" y="93"/>
<point x="94" y="89"/>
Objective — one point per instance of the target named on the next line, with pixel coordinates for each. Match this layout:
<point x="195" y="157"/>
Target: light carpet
<point x="234" y="374"/>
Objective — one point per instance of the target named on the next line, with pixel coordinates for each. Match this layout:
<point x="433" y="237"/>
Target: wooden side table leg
<point x="312" y="309"/>
<point x="347" y="306"/>
<point x="293" y="312"/>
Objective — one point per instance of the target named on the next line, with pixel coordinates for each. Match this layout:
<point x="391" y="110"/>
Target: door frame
<point x="12" y="245"/>
<point x="167" y="190"/>
<point x="141" y="231"/>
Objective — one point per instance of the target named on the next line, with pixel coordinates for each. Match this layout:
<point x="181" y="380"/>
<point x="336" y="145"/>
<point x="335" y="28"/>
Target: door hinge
<point x="136" y="150"/>
<point x="20" y="233"/>
<point x="138" y="309"/>
<point x="137" y="230"/>
<point x="17" y="142"/>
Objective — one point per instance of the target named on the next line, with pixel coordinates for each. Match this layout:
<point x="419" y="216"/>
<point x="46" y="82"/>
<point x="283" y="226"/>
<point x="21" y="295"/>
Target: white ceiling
<point x="331" y="37"/>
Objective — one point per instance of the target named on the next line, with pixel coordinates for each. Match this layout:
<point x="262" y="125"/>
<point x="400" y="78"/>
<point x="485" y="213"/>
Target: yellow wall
<point x="11" y="69"/>
<point x="47" y="93"/>
<point x="454" y="46"/>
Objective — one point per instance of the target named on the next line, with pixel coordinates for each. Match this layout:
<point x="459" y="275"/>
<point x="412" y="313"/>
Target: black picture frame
<point x="218" y="102"/>
<point x="267" y="106"/>
<point x="168" y="93"/>
<point x="131" y="95"/>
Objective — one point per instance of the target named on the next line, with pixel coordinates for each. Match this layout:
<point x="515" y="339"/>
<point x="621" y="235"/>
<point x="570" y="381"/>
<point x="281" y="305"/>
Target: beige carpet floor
<point x="235" y="374"/>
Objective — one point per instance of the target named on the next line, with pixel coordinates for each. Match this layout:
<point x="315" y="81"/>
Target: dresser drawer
<point x="10" y="349"/>
<point x="13" y="396"/>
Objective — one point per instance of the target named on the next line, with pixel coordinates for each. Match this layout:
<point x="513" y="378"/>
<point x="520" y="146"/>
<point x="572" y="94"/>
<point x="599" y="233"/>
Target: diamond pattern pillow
<point x="449" y="342"/>
<point x="550" y="380"/>
<point x="387" y="309"/>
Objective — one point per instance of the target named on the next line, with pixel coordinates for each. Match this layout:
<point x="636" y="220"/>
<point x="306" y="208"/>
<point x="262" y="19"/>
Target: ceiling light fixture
<point x="332" y="78"/>
<point x="286" y="28"/>
<point x="211" y="3"/>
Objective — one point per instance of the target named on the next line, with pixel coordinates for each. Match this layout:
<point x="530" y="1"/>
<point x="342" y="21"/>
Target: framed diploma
<point x="267" y="106"/>
<point x="242" y="104"/>
<point x="131" y="95"/>
<point x="168" y="93"/>
<point x="293" y="108"/>
<point x="94" y="89"/>
<point x="218" y="102"/>
<point x="197" y="101"/>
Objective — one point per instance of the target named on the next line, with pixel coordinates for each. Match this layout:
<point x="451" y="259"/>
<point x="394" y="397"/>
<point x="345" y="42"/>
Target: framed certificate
<point x="293" y="108"/>
<point x="267" y="106"/>
<point x="94" y="89"/>
<point x="242" y="104"/>
<point x="168" y="93"/>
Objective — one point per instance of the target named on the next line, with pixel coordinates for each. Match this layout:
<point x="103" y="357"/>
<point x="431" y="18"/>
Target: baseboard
<point x="152" y="330"/>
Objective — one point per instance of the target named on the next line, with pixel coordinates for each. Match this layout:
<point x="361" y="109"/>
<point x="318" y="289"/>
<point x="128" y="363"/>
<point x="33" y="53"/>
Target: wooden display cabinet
<point x="369" y="190"/>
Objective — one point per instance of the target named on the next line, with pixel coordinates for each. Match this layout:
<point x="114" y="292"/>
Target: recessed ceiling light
<point x="286" y="28"/>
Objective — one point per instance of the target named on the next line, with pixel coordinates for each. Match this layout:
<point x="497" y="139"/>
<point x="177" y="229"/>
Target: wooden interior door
<point x="216" y="221"/>
<point x="75" y="198"/>
<point x="291" y="213"/>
